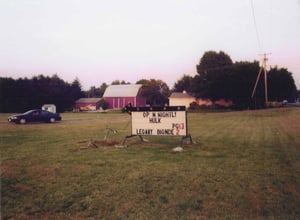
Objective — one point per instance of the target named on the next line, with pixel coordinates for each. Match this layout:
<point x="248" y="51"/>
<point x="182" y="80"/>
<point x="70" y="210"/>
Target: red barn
<point x="118" y="96"/>
<point x="88" y="104"/>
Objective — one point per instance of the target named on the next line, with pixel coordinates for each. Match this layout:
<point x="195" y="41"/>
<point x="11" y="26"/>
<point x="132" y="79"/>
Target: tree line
<point x="217" y="78"/>
<point x="23" y="94"/>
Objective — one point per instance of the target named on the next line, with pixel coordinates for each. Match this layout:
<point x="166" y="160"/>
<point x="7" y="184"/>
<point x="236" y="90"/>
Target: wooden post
<point x="266" y="78"/>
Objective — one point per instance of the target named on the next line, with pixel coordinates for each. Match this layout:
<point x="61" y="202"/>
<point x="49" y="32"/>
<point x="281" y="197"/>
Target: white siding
<point x="181" y="101"/>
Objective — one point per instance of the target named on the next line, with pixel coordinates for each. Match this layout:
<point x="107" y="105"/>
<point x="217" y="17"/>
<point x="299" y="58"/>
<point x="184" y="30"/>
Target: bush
<point x="104" y="104"/>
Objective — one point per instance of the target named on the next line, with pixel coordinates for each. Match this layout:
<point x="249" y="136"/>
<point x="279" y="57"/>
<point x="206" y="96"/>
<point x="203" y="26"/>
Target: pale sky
<point x="100" y="41"/>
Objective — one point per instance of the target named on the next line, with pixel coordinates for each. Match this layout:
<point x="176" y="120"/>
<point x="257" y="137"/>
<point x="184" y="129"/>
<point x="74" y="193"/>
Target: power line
<point x="255" y="24"/>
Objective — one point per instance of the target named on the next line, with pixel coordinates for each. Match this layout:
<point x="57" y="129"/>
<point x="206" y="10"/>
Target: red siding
<point x="121" y="102"/>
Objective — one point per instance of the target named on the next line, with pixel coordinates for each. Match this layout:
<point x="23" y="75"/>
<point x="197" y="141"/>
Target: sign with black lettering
<point x="163" y="121"/>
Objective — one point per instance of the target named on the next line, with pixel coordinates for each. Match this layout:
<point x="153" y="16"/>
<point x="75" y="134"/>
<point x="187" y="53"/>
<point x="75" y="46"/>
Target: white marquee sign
<point x="162" y="121"/>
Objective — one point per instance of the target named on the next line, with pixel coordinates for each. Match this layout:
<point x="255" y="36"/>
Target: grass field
<point x="243" y="165"/>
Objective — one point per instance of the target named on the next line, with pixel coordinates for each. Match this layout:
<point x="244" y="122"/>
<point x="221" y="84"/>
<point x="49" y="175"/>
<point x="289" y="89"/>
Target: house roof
<point x="128" y="90"/>
<point x="180" y="95"/>
<point x="88" y="100"/>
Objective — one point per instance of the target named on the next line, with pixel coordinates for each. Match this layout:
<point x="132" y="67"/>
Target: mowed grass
<point x="243" y="165"/>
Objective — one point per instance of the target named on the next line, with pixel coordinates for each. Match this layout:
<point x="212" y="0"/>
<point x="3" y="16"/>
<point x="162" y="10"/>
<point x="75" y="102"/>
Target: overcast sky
<point x="100" y="41"/>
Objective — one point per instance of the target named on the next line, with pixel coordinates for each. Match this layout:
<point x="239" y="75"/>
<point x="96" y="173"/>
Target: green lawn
<point x="243" y="165"/>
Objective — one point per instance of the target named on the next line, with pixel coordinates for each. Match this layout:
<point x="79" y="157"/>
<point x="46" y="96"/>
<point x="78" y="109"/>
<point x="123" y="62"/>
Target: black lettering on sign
<point x="166" y="114"/>
<point x="144" y="131"/>
<point x="145" y="114"/>
<point x="154" y="120"/>
<point x="165" y="132"/>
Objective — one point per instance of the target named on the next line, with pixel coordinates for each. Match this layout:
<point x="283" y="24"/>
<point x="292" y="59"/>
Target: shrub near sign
<point x="163" y="121"/>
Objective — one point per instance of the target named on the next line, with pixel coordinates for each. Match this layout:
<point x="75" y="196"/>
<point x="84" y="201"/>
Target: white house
<point x="181" y="98"/>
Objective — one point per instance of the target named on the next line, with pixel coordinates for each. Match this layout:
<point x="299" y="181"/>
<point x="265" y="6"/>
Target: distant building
<point x="87" y="104"/>
<point x="49" y="107"/>
<point x="118" y="96"/>
<point x="181" y="98"/>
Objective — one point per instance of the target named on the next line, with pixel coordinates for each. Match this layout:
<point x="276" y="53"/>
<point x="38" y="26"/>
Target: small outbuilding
<point x="49" y="107"/>
<point x="118" y="96"/>
<point x="181" y="98"/>
<point x="87" y="104"/>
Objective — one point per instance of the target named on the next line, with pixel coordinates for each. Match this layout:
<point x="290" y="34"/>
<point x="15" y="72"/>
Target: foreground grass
<point x="243" y="165"/>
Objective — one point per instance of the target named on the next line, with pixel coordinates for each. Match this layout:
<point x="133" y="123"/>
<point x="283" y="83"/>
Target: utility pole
<point x="262" y="68"/>
<point x="265" y="59"/>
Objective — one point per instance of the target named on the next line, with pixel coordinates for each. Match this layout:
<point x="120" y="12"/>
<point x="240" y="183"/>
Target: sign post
<point x="159" y="121"/>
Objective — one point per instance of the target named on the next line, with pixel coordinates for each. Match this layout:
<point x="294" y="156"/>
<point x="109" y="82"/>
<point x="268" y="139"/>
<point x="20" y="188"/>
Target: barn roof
<point x="180" y="95"/>
<point x="88" y="100"/>
<point x="128" y="90"/>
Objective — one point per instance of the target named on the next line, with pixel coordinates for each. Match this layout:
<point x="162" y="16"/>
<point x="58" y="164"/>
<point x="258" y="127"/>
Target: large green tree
<point x="212" y="79"/>
<point x="95" y="92"/>
<point x="242" y="78"/>
<point x="281" y="85"/>
<point x="213" y="60"/>
<point x="156" y="91"/>
<point x="183" y="84"/>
